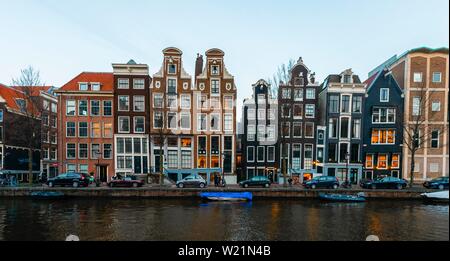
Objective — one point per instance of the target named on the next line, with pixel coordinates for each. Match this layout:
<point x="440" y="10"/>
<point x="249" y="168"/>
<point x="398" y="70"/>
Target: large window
<point x="344" y="154"/>
<point x="95" y="151"/>
<point x="286" y="93"/>
<point x="383" y="115"/>
<point x="96" y="130"/>
<point x="172" y="68"/>
<point x="107" y="130"/>
<point x="383" y="136"/>
<point x="107" y="108"/>
<point x="124" y="124"/>
<point x="382" y="161"/>
<point x="228" y="102"/>
<point x="139" y="124"/>
<point x="334" y="104"/>
<point x="107" y="151"/>
<point x="158" y="100"/>
<point x="356" y="129"/>
<point x="124" y="103"/>
<point x="215" y="87"/>
<point x="310" y="111"/>
<point x="345" y="128"/>
<point x="82" y="108"/>
<point x="251" y="154"/>
<point x="357" y="104"/>
<point x="71" y="151"/>
<point x="416" y="103"/>
<point x="123" y="83"/>
<point x="215" y="122"/>
<point x="228" y="122"/>
<point x="384" y="95"/>
<point x="296" y="156"/>
<point x="298" y="94"/>
<point x="310" y="94"/>
<point x="345" y="103"/>
<point x="308" y="156"/>
<point x="83" y="150"/>
<point x="186" y="159"/>
<point x="261" y="133"/>
<point x="158" y="120"/>
<point x="332" y="152"/>
<point x="395" y="162"/>
<point x="271" y="154"/>
<point x="298" y="110"/>
<point x="185" y="120"/>
<point x="251" y="114"/>
<point x="435" y="139"/>
<point x="271" y="133"/>
<point x="139" y="103"/>
<point x="185" y="101"/>
<point x="172" y="101"/>
<point x="369" y="161"/>
<point x="83" y="129"/>
<point x="261" y="153"/>
<point x="95" y="108"/>
<point x="251" y="132"/>
<point x="172" y="86"/>
<point x="297" y="129"/>
<point x="172" y="121"/>
<point x="70" y="129"/>
<point x="138" y="83"/>
<point x="286" y="111"/>
<point x="309" y="130"/>
<point x="202" y="122"/>
<point x="437" y="77"/>
<point x="286" y="129"/>
<point x="333" y="128"/>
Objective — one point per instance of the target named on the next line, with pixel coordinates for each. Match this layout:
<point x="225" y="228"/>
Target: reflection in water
<point x="192" y="220"/>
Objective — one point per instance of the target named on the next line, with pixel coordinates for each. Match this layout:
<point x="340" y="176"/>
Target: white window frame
<point x="436" y="74"/>
<point x="134" y="103"/>
<point x="274" y="153"/>
<point x="225" y="116"/>
<point x="313" y="126"/>
<point x="387" y="94"/>
<point x="112" y="108"/>
<point x="176" y="120"/>
<point x="134" y="123"/>
<point x="306" y="111"/>
<point x="418" y="77"/>
<point x="310" y="91"/>
<point x="118" y="124"/>
<point x="95" y="84"/>
<point x="199" y="121"/>
<point x="79" y="151"/>
<point x="218" y="128"/>
<point x="184" y="114"/>
<point x="139" y="80"/>
<point x="67" y="150"/>
<point x="83" y="84"/>
<point x="184" y="98"/>
<point x="436" y="106"/>
<point x="263" y="154"/>
<point x="118" y="103"/>
<point x="92" y="130"/>
<point x="121" y="83"/>
<point x="211" y="87"/>
<point x="154" y="119"/>
<point x="251" y="114"/>
<point x="253" y="149"/>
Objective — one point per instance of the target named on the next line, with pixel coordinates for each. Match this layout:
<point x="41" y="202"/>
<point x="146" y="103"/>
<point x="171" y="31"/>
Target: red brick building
<point x="86" y="125"/>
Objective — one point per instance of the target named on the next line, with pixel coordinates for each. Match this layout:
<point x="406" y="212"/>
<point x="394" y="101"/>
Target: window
<point x="45" y="137"/>
<point x="310" y="110"/>
<point x="436" y="106"/>
<point x="215" y="103"/>
<point x="296" y="156"/>
<point x="298" y="111"/>
<point x="382" y="161"/>
<point x="172" y="86"/>
<point x="228" y="102"/>
<point x="138" y="84"/>
<point x="416" y="110"/>
<point x="158" y="120"/>
<point x="345" y="103"/>
<point x="124" y="103"/>
<point x="435" y="139"/>
<point x="215" y="122"/>
<point x="251" y="154"/>
<point x="261" y="153"/>
<point x="203" y="102"/>
<point x="356" y="129"/>
<point x="54" y="108"/>
<point x="70" y="129"/>
<point x="286" y="111"/>
<point x="45" y="154"/>
<point x="345" y="128"/>
<point x="95" y="86"/>
<point x="201" y="122"/>
<point x="172" y="122"/>
<point x="395" y="161"/>
<point x="139" y="124"/>
<point x="185" y="121"/>
<point x="357" y="104"/>
<point x="95" y="108"/>
<point x="45" y="105"/>
<point x="107" y="108"/>
<point x="186" y="159"/>
<point x="215" y="69"/>
<point x="53" y="121"/>
<point x="185" y="101"/>
<point x="286" y="129"/>
<point x="417" y="77"/>
<point x="332" y="152"/>
<point x="107" y="130"/>
<point x="369" y="161"/>
<point x="310" y="94"/>
<point x="271" y="154"/>
<point x="107" y="151"/>
<point x="298" y="94"/>
<point x="354" y="153"/>
<point x="70" y="108"/>
<point x="309" y="130"/>
<point x="270" y="133"/>
<point x="123" y="84"/>
<point x="383" y="115"/>
<point x="384" y="95"/>
<point x="95" y="151"/>
<point x="333" y="128"/>
<point x="308" y="156"/>
<point x="83" y="86"/>
<point x="215" y="87"/>
<point x="124" y="124"/>
<point x="83" y="129"/>
<point x="228" y="122"/>
<point x="286" y="93"/>
<point x="347" y="78"/>
<point x="139" y="103"/>
<point x="82" y="151"/>
<point x="45" y="119"/>
<point x="297" y="129"/>
<point x="437" y="77"/>
<point x="71" y="168"/>
<point x="53" y="154"/>
<point x="334" y="104"/>
<point x="82" y="108"/>
<point x="251" y="132"/>
<point x="343" y="152"/>
<point x="261" y="133"/>
<point x="383" y="136"/>
<point x="272" y="114"/>
<point x="96" y="130"/>
<point x="172" y="101"/>
<point x="262" y="114"/>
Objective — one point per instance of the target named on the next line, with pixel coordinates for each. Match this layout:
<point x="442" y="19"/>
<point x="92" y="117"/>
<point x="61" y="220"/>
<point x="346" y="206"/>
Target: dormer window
<point x="172" y="69"/>
<point x="95" y="86"/>
<point x="347" y="78"/>
<point x="83" y="86"/>
<point x="22" y="104"/>
<point x="299" y="81"/>
<point x="215" y="69"/>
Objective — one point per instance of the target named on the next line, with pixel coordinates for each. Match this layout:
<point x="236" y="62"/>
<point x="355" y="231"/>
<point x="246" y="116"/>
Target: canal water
<point x="193" y="220"/>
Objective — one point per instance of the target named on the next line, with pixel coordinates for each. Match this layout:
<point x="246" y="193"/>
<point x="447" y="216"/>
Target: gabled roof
<point x="106" y="81"/>
<point x="336" y="78"/>
<point x="35" y="90"/>
<point x="10" y="95"/>
<point x="373" y="79"/>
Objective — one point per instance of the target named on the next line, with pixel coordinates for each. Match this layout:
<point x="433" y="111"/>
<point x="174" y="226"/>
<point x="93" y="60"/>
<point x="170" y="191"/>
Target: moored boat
<point x="227" y="196"/>
<point x="441" y="196"/>
<point x="47" y="194"/>
<point x="360" y="197"/>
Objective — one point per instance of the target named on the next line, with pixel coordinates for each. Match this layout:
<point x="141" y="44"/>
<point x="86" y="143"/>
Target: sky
<point x="63" y="38"/>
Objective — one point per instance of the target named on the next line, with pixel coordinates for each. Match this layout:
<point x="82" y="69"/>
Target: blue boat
<point x="227" y="196"/>
<point x="360" y="197"/>
<point x="47" y="194"/>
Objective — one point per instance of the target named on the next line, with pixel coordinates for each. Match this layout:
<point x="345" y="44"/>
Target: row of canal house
<point x="348" y="128"/>
<point x="127" y="122"/>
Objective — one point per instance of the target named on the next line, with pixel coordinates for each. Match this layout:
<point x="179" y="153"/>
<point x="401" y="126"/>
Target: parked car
<point x="69" y="179"/>
<point x="129" y="182"/>
<point x="439" y="183"/>
<point x="258" y="181"/>
<point x="192" y="181"/>
<point x="328" y="182"/>
<point x="385" y="183"/>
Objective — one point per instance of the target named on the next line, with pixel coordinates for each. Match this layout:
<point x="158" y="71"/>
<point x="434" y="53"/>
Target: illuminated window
<point x="186" y="143"/>
<point x="215" y="162"/>
<point x="201" y="163"/>
<point x="96" y="130"/>
<point x="395" y="161"/>
<point x="383" y="136"/>
<point x="382" y="161"/>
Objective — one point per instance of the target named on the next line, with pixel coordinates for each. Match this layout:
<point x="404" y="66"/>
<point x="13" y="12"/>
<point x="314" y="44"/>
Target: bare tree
<point x="282" y="76"/>
<point x="417" y="132"/>
<point x="160" y="125"/>
<point x="31" y="108"/>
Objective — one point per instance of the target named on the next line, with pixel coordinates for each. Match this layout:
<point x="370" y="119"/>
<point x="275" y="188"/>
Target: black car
<point x="69" y="179"/>
<point x="439" y="183"/>
<point x="385" y="183"/>
<point x="258" y="181"/>
<point x="322" y="182"/>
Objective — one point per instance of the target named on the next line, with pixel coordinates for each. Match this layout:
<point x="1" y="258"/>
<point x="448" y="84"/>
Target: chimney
<point x="199" y="65"/>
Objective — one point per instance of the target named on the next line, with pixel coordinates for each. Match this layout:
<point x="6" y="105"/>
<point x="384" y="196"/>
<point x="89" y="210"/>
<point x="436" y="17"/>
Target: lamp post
<point x="223" y="168"/>
<point x="347" y="158"/>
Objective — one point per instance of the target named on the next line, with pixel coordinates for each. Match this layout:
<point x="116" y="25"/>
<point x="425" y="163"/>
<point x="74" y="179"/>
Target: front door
<point x="103" y="174"/>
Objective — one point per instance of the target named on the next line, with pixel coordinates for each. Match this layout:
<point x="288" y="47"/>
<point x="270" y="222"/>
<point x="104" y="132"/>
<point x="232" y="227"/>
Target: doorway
<point x="103" y="174"/>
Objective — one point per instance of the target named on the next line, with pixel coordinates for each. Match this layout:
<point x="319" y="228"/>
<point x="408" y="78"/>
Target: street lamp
<point x="347" y="158"/>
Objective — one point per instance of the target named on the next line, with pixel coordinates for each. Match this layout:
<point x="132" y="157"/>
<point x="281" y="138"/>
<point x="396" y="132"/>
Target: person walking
<point x="216" y="180"/>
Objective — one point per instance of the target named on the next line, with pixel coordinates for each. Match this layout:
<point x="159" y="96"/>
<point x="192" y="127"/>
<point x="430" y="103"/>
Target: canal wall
<point x="280" y="193"/>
